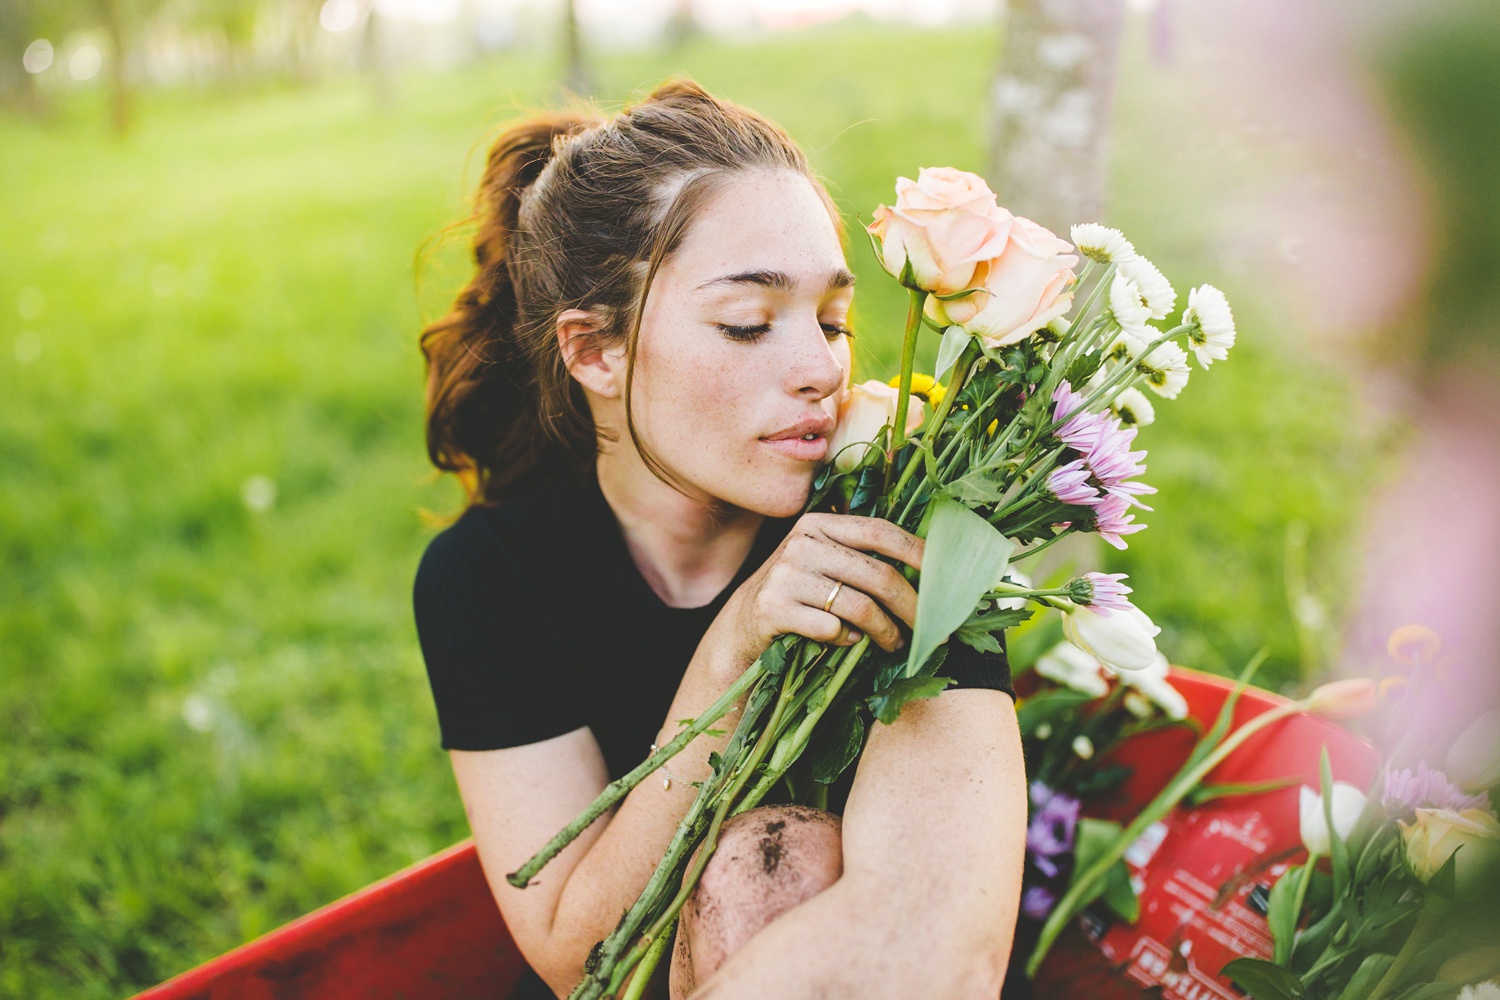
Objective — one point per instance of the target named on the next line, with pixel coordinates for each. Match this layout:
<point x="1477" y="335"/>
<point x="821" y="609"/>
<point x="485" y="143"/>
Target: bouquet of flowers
<point x="1379" y="900"/>
<point x="1387" y="904"/>
<point x="1022" y="435"/>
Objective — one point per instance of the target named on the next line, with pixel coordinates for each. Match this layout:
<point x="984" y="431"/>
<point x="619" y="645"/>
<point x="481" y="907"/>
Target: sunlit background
<point x="213" y="487"/>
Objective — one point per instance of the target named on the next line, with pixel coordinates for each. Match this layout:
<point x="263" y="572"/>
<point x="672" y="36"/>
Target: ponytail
<point x="483" y="394"/>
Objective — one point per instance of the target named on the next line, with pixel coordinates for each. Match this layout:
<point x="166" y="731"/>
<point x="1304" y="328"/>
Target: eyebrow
<point x="778" y="280"/>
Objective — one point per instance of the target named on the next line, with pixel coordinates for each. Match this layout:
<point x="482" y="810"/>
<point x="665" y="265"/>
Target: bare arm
<point x="517" y="798"/>
<point x="934" y="840"/>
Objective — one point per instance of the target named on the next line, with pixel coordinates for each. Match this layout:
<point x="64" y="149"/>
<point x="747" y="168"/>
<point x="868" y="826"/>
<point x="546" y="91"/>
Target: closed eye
<point x="747" y="334"/>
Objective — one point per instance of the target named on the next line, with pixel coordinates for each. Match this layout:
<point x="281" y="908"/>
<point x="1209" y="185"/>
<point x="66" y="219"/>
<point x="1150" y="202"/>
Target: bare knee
<point x="767" y="861"/>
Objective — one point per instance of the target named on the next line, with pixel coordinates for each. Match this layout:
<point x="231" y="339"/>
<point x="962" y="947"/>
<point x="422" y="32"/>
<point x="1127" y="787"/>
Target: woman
<point x="637" y="388"/>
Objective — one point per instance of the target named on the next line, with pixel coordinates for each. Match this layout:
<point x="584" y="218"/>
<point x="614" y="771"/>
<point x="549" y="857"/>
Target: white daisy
<point x="1101" y="243"/>
<point x="1126" y="346"/>
<point x="1210" y="323"/>
<point x="1166" y="369"/>
<point x="1480" y="991"/>
<point x="1127" y="305"/>
<point x="1133" y="408"/>
<point x="1158" y="292"/>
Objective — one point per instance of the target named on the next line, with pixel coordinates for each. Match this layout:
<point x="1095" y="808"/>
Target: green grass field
<point x="214" y="712"/>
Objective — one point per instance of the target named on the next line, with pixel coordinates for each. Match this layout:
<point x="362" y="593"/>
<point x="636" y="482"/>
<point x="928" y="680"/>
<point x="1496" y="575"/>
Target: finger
<point x="858" y="609"/>
<point x="864" y="572"/>
<point x="818" y="625"/>
<point x="870" y="534"/>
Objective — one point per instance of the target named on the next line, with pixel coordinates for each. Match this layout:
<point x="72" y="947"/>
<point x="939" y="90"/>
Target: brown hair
<point x="573" y="212"/>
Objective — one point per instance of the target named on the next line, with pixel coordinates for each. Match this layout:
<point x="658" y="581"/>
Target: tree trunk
<point x="119" y="84"/>
<point x="577" y="79"/>
<point x="1050" y="108"/>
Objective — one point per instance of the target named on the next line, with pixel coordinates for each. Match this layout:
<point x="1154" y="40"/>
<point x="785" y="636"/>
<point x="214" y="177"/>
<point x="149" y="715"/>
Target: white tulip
<point x="1348" y="803"/>
<point x="1123" y="640"/>
<point x="1474" y="758"/>
<point x="1071" y="667"/>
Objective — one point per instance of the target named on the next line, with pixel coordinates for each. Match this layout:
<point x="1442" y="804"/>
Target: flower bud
<point x="1348" y="803"/>
<point x="1122" y="640"/>
<point x="1346" y="699"/>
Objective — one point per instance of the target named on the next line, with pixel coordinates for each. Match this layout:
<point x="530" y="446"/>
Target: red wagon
<point x="432" y="931"/>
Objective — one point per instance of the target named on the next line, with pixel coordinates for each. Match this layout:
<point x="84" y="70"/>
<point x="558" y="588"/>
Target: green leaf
<point x="1338" y="849"/>
<point x="1206" y="792"/>
<point x="963" y="558"/>
<point x="1094" y="838"/>
<point x="1444" y="881"/>
<point x="1264" y="980"/>
<point x="1281" y="913"/>
<point x="1049" y="706"/>
<point x="1083" y="367"/>
<point x="1119" y="895"/>
<point x="976" y="487"/>
<point x="837" y="741"/>
<point x="955" y="339"/>
<point x="773" y="660"/>
<point x="1362" y="983"/>
<point x="887" y="704"/>
<point x="1431" y="991"/>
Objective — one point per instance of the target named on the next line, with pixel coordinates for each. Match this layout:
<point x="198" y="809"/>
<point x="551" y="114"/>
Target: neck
<point x="688" y="548"/>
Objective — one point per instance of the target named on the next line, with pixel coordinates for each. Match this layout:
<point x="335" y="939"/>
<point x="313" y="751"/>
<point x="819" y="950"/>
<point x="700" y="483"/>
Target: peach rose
<point x="863" y="411"/>
<point x="1025" y="287"/>
<point x="943" y="225"/>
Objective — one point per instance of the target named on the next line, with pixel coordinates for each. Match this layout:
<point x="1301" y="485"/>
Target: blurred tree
<point x="234" y="22"/>
<point x="1050" y="108"/>
<point x="682" y="27"/>
<point x="577" y="79"/>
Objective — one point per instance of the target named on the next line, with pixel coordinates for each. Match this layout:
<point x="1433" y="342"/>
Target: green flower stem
<point x="908" y="358"/>
<point x="643" y="973"/>
<point x="1017" y="557"/>
<point x="1418" y="941"/>
<point x="687" y="830"/>
<point x="789" y="748"/>
<point x="966" y="360"/>
<point x="1075" y="347"/>
<point x="1177" y="789"/>
<point x="660" y="928"/>
<point x="618" y="788"/>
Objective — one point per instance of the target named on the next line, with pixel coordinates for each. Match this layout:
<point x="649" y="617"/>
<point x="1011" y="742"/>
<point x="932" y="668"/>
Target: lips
<point x="794" y="444"/>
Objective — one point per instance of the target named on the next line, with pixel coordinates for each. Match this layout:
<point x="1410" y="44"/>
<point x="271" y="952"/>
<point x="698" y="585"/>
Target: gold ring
<point x="833" y="594"/>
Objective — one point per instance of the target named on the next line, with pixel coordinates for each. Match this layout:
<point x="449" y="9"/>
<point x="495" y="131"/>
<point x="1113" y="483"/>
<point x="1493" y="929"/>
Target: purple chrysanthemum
<point x="1080" y="429"/>
<point x="1111" y="520"/>
<point x="1407" y="791"/>
<point x="1106" y="593"/>
<point x="1053" y="824"/>
<point x="1037" y="902"/>
<point x="1070" y="484"/>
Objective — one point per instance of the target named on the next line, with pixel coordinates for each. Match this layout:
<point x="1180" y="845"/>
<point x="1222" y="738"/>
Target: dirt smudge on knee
<point x="771" y="850"/>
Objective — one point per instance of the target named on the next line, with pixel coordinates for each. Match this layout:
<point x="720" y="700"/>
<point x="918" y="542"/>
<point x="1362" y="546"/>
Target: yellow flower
<point x="923" y="385"/>
<point x="994" y="426"/>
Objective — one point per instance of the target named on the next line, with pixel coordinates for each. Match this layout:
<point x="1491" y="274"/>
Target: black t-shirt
<point x="534" y="620"/>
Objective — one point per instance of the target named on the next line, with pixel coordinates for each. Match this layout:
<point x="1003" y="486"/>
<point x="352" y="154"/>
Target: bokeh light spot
<point x="38" y="56"/>
<point x="28" y="347"/>
<point x="338" y="15"/>
<point x="84" y="64"/>
<point x="164" y="280"/>
<point x="259" y="493"/>
<point x="31" y="303"/>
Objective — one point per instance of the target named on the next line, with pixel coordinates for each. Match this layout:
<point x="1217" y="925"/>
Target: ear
<point x="599" y="369"/>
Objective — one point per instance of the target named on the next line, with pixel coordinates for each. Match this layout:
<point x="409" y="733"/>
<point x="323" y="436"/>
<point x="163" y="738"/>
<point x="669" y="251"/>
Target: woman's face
<point x="743" y="353"/>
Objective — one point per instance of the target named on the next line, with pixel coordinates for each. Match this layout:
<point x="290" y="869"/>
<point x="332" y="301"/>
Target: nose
<point x="818" y="369"/>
